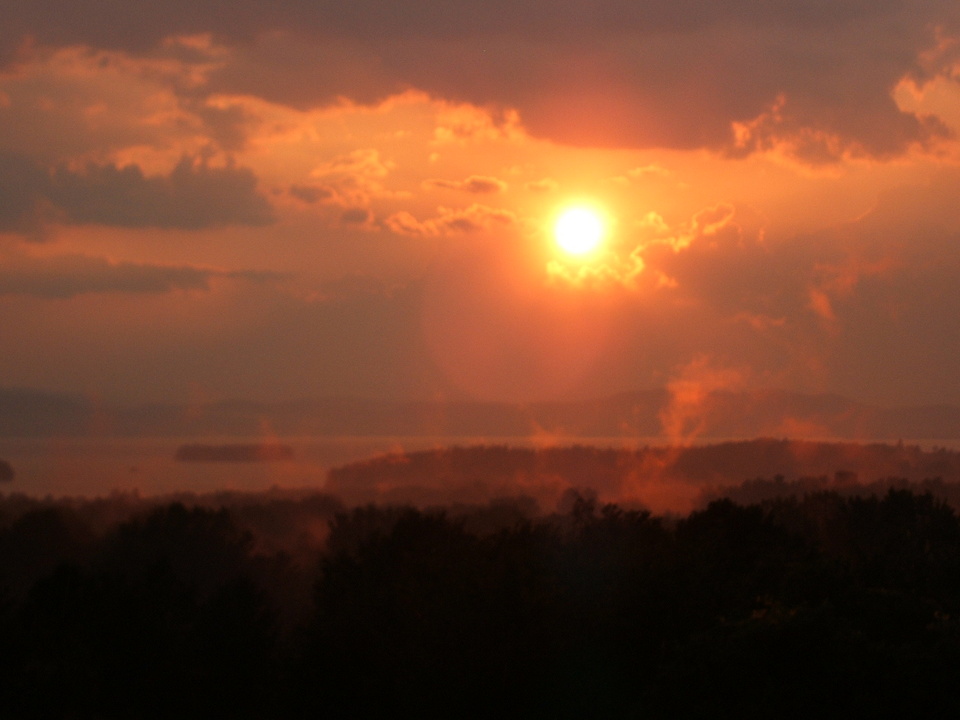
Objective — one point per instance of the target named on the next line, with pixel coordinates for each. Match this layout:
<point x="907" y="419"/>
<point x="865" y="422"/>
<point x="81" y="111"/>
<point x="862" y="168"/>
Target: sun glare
<point x="579" y="230"/>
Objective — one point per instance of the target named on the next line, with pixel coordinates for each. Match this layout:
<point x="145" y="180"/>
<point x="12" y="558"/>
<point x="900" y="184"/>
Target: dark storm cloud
<point x="192" y="196"/>
<point x="139" y="24"/>
<point x="71" y="275"/>
<point x="813" y="77"/>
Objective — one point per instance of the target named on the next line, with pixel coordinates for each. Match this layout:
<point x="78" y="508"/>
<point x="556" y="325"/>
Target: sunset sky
<point x="303" y="198"/>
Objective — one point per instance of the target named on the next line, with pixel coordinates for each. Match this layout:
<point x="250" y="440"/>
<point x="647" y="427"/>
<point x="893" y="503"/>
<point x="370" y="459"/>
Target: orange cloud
<point x="610" y="271"/>
<point x="648" y="171"/>
<point x="451" y="221"/>
<point x="354" y="177"/>
<point x="475" y="184"/>
<point x="821" y="305"/>
<point x="645" y="258"/>
<point x="462" y="123"/>
<point x="542" y="186"/>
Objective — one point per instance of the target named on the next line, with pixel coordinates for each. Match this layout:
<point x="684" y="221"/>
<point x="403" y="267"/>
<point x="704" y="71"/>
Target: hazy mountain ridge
<point x="650" y="413"/>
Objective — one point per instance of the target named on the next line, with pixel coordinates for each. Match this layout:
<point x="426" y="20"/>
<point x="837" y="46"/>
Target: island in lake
<point x="240" y="452"/>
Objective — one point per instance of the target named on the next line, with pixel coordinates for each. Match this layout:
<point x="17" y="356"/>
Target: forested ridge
<point x="664" y="478"/>
<point x="778" y="609"/>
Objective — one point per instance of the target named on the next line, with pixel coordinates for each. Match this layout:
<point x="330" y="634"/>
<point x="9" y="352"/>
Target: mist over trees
<point x="289" y="605"/>
<point x="659" y="478"/>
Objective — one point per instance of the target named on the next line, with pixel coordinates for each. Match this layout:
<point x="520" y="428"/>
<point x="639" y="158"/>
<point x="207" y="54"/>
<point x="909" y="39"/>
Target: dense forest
<point x="292" y="606"/>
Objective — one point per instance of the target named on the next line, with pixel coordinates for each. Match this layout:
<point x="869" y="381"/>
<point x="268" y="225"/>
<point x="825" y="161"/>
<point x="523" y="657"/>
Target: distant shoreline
<point x="237" y="452"/>
<point x="90" y="466"/>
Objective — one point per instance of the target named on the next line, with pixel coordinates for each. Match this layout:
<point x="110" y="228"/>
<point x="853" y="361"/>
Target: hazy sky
<point x="205" y="200"/>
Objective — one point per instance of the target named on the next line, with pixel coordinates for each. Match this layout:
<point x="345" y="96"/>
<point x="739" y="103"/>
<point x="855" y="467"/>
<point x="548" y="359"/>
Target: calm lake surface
<point x="99" y="466"/>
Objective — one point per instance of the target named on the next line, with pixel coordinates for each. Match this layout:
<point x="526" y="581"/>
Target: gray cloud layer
<point x="71" y="275"/>
<point x="193" y="196"/>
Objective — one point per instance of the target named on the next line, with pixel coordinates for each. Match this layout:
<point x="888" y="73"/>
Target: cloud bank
<point x="812" y="79"/>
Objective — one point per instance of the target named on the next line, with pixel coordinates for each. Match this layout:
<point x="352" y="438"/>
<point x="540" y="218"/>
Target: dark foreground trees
<point x="824" y="605"/>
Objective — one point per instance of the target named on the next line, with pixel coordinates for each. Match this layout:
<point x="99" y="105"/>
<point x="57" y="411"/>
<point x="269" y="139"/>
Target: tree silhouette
<point x="778" y="609"/>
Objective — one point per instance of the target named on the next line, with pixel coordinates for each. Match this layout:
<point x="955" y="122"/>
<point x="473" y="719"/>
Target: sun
<point x="579" y="230"/>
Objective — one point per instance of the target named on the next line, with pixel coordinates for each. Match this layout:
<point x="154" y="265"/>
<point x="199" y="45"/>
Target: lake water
<point x="99" y="466"/>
